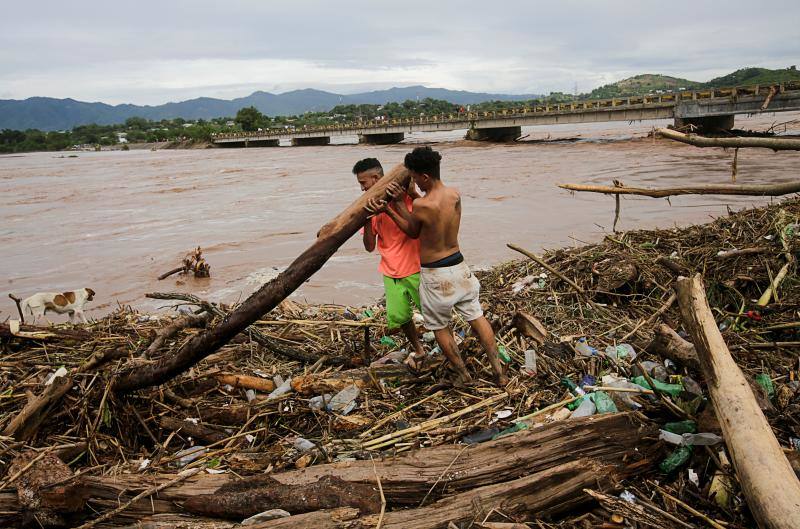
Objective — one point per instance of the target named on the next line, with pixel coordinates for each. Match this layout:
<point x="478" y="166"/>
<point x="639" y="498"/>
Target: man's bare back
<point x="439" y="212"/>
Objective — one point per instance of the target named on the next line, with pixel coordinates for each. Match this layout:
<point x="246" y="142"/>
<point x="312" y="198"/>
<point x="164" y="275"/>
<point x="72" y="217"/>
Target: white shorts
<point x="443" y="289"/>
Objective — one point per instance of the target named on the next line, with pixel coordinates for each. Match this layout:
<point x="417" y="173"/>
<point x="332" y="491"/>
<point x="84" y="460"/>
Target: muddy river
<point x="114" y="221"/>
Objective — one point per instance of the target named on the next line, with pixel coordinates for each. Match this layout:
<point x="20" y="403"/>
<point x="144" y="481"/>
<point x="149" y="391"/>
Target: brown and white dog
<point x="71" y="303"/>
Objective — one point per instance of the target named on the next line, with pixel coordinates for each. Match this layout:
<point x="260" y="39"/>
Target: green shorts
<point x="400" y="293"/>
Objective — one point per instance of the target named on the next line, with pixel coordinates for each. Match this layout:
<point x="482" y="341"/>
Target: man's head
<point x="423" y="163"/>
<point x="368" y="171"/>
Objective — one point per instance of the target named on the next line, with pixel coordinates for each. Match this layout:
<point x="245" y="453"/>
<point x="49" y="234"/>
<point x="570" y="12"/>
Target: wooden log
<point x="245" y="498"/>
<point x="189" y="429"/>
<point x="46" y="333"/>
<point x="529" y="326"/>
<point x="25" y="424"/>
<point x="667" y="344"/>
<point x="607" y="439"/>
<point x="315" y="384"/>
<point x="771" y="190"/>
<point x="776" y="144"/>
<point x="768" y="482"/>
<point x="329" y="239"/>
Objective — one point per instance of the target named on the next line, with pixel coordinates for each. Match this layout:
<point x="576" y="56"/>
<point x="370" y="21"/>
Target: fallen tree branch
<point x="768" y="482"/>
<point x="772" y="190"/>
<point x="189" y="320"/>
<point x="776" y="144"/>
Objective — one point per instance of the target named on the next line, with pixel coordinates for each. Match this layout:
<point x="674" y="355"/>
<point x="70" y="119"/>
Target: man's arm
<point x="409" y="223"/>
<point x="369" y="236"/>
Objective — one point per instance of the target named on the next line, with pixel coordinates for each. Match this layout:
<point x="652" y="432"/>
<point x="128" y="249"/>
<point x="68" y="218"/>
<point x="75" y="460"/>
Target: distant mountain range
<point x="47" y="113"/>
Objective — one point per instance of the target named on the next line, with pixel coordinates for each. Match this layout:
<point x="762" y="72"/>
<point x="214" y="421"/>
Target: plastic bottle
<point x="517" y="427"/>
<point x="625" y="397"/>
<point x="388" y="341"/>
<point x="571" y="386"/>
<point x="670" y="389"/>
<point x="319" y="402"/>
<point x="676" y="459"/>
<point x="504" y="357"/>
<point x="691" y="387"/>
<point x="586" y="408"/>
<point x="584" y="349"/>
<point x="604" y="403"/>
<point x="480" y="436"/>
<point x="303" y="445"/>
<point x="188" y="455"/>
<point x="654" y="369"/>
<point x="345" y="401"/>
<point x="284" y="388"/>
<point x="701" y="439"/>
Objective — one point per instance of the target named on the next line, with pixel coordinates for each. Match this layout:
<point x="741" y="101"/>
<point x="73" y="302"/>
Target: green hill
<point x="652" y="83"/>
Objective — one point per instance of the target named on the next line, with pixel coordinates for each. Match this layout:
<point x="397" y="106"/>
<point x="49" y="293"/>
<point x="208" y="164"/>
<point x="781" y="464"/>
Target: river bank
<point x="626" y="279"/>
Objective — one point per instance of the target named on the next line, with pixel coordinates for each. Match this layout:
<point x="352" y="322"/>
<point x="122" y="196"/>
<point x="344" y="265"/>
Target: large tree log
<point x="768" y="482"/>
<point x="329" y="239"/>
<point x="772" y="190"/>
<point x="407" y="479"/>
<point x="543" y="494"/>
<point x="776" y="144"/>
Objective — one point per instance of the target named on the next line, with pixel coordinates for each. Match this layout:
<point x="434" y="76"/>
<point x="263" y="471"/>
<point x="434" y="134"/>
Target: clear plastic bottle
<point x="586" y="408"/>
<point x="345" y="401"/>
<point x="584" y="349"/>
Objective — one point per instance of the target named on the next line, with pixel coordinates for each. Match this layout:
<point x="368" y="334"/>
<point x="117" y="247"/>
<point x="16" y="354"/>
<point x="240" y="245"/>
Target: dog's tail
<point x="19" y="309"/>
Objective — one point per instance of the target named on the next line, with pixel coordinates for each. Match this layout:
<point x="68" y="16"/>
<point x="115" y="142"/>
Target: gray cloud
<point x="151" y="52"/>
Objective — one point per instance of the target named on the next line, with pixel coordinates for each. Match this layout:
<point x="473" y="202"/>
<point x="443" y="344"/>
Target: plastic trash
<point x="587" y="380"/>
<point x="624" y="397"/>
<point x="320" y="402"/>
<point x="691" y="387"/>
<point x="621" y="351"/>
<point x="481" y="436"/>
<point x="670" y="389"/>
<point x="586" y="408"/>
<point x="428" y="337"/>
<point x="529" y="367"/>
<point x="628" y="496"/>
<point x="584" y="349"/>
<point x="654" y="369"/>
<point x="523" y="283"/>
<point x="571" y="386"/>
<point x="763" y="380"/>
<point x="60" y="372"/>
<point x="694" y="478"/>
<point x="517" y="427"/>
<point x="676" y="459"/>
<point x="503" y="354"/>
<point x="303" y="445"/>
<point x="395" y="357"/>
<point x="388" y="341"/>
<point x="345" y="401"/>
<point x="681" y="427"/>
<point x="603" y="403"/>
<point x="794" y="442"/>
<point x="265" y="516"/>
<point x="459" y="336"/>
<point x="690" y="439"/>
<point x="250" y="394"/>
<point x="188" y="455"/>
<point x="284" y="388"/>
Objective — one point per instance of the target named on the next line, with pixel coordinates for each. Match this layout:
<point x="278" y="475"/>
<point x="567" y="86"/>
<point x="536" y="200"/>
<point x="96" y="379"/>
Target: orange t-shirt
<point x="399" y="252"/>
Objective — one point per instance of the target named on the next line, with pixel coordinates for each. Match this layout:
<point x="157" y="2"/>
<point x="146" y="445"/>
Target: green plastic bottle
<point x="763" y="380"/>
<point x="670" y="389"/>
<point x="676" y="459"/>
<point x="504" y="357"/>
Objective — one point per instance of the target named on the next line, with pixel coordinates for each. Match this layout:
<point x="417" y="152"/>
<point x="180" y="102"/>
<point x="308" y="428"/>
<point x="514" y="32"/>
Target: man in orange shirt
<point x="399" y="261"/>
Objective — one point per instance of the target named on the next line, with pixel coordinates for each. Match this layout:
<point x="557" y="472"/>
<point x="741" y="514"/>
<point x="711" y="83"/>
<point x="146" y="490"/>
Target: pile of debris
<point x="311" y="418"/>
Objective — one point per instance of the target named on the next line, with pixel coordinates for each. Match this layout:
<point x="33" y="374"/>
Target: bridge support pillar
<point x="381" y="139"/>
<point x="306" y="142"/>
<point x="499" y="134"/>
<point x="706" y="124"/>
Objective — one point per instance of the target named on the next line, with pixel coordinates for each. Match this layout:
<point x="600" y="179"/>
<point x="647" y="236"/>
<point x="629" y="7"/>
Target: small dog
<point x="66" y="302"/>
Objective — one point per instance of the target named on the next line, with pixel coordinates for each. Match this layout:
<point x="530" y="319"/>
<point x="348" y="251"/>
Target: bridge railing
<point x="666" y="98"/>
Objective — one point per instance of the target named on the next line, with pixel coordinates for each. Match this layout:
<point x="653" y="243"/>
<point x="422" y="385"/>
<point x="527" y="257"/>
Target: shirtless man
<point x="446" y="280"/>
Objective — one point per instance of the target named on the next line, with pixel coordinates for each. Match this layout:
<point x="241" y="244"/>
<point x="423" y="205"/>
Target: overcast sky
<point x="149" y="52"/>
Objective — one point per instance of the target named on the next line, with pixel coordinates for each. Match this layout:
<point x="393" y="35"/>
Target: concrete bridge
<point x="708" y="110"/>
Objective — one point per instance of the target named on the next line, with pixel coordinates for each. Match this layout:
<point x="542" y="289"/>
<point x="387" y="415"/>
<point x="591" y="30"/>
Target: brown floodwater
<point x="114" y="221"/>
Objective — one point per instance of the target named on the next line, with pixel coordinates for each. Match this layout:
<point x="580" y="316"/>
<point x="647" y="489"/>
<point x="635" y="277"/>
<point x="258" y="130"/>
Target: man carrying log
<point x="446" y="280"/>
<point x="399" y="261"/>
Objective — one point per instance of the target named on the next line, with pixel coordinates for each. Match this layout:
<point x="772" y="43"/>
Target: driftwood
<point x="189" y="429"/>
<point x="440" y="471"/>
<point x="776" y="144"/>
<point x="245" y="498"/>
<point x="315" y="384"/>
<point x="772" y="190"/>
<point x="25" y="424"/>
<point x="530" y="327"/>
<point x="768" y="482"/>
<point x="189" y="320"/>
<point x="667" y="344"/>
<point x="245" y="382"/>
<point x="46" y="333"/>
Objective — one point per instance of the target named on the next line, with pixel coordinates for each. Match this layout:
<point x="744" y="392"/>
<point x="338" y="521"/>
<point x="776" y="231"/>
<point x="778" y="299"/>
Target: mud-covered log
<point x="667" y="344"/>
<point x="768" y="482"/>
<point x="329" y="239"/>
<point x="245" y="498"/>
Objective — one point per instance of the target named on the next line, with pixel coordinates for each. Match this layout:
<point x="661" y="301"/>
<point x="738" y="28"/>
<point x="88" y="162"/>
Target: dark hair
<point x="366" y="164"/>
<point x="424" y="160"/>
